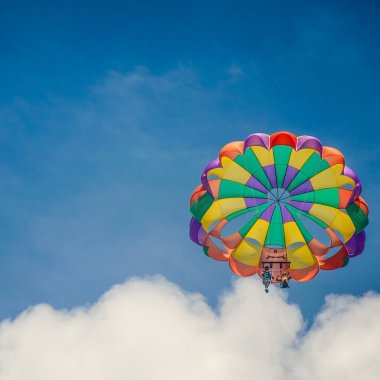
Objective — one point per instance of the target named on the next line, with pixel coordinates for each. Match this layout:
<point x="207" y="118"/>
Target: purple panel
<point x="267" y="214"/>
<point x="286" y="215"/>
<point x="360" y="243"/>
<point x="355" y="245"/>
<point x="303" y="188"/>
<point x="270" y="171"/>
<point x="309" y="142"/>
<point x="350" y="173"/>
<point x="195" y="226"/>
<point x="212" y="165"/>
<point x="255" y="184"/>
<point x="351" y="245"/>
<point x="252" y="202"/>
<point x="289" y="176"/>
<point x="257" y="139"/>
<point x="358" y="187"/>
<point x="301" y="205"/>
<point x="202" y="235"/>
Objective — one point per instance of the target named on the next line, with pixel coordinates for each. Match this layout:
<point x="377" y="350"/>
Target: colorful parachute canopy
<point x="279" y="193"/>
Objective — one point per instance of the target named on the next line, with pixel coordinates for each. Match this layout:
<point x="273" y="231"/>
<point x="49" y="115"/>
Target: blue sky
<point x="109" y="112"/>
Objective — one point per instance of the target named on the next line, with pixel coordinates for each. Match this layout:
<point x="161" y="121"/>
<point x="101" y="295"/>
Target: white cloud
<point x="151" y="329"/>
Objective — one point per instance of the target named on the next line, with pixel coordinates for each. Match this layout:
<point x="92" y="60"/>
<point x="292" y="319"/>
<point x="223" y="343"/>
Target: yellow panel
<point x="298" y="158"/>
<point x="327" y="178"/>
<point x="343" y="224"/>
<point x="292" y="234"/>
<point x="213" y="214"/>
<point x="247" y="254"/>
<point x="300" y="257"/>
<point x="234" y="172"/>
<point x="258" y="231"/>
<point x="231" y="205"/>
<point x="344" y="180"/>
<point x="264" y="155"/>
<point x="217" y="171"/>
<point x="325" y="213"/>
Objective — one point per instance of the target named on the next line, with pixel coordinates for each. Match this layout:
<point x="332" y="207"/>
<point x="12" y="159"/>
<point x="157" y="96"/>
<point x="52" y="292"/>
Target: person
<point x="284" y="280"/>
<point x="267" y="278"/>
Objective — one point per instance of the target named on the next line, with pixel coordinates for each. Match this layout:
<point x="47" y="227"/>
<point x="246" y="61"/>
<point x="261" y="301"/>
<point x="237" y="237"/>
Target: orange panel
<point x="217" y="230"/>
<point x="305" y="274"/>
<point x="214" y="251"/>
<point x="332" y="156"/>
<point x="231" y="242"/>
<point x="317" y="248"/>
<point x="344" y="197"/>
<point x="197" y="193"/>
<point x="363" y="205"/>
<point x="214" y="186"/>
<point x="283" y="138"/>
<point x="242" y="269"/>
<point x="335" y="241"/>
<point x="232" y="150"/>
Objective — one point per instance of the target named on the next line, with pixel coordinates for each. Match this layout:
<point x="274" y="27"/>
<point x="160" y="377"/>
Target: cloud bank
<point x="152" y="329"/>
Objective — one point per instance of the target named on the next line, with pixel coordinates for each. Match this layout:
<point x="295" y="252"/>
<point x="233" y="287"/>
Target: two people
<point x="283" y="278"/>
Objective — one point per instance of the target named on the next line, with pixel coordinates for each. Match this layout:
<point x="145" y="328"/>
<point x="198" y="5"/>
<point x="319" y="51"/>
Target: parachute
<point x="282" y="202"/>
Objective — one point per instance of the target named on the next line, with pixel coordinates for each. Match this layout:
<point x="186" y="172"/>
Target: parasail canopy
<point x="279" y="193"/>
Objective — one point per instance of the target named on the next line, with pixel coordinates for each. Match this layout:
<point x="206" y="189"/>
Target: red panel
<point x="283" y="138"/>
<point x="335" y="261"/>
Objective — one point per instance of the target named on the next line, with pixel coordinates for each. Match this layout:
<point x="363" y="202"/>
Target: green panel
<point x="312" y="166"/>
<point x="280" y="174"/>
<point x="200" y="206"/>
<point x="253" y="193"/>
<point x="323" y="165"/>
<point x="230" y="189"/>
<point x="305" y="197"/>
<point x="254" y="167"/>
<point x="304" y="231"/>
<point x="275" y="235"/>
<point x="299" y="179"/>
<point x="358" y="217"/>
<point x="276" y="216"/>
<point x="328" y="197"/>
<point x="281" y="155"/>
<point x="312" y="217"/>
<point x="259" y="210"/>
<point x="241" y="160"/>
<point x="346" y="261"/>
<point x="205" y="250"/>
<point x="238" y="213"/>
